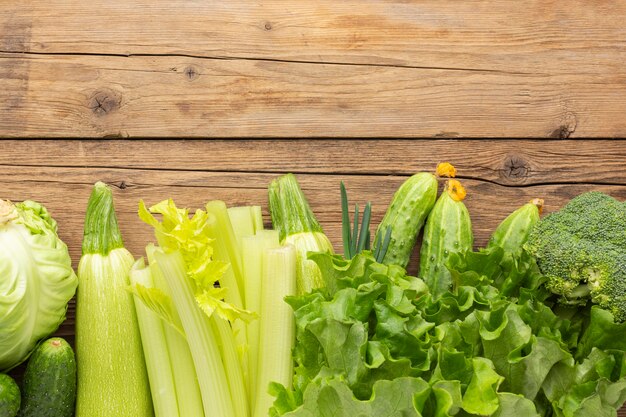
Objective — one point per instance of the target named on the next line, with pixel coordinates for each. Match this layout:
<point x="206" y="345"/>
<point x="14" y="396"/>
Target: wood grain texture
<point x="499" y="176"/>
<point x="387" y="68"/>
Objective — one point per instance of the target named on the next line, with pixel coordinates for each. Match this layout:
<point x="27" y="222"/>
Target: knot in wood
<point x="191" y="73"/>
<point x="569" y="123"/>
<point x="515" y="167"/>
<point x="123" y="185"/>
<point x="268" y="26"/>
<point x="104" y="101"/>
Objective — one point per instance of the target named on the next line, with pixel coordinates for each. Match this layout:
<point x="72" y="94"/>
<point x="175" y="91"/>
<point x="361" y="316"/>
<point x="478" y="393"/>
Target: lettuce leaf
<point x="374" y="342"/>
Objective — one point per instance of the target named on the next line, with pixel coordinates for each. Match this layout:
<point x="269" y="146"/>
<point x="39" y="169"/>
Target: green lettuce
<point x="374" y="342"/>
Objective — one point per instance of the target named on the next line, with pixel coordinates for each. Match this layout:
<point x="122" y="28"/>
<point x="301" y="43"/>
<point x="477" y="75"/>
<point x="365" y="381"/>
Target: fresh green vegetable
<point x="154" y="343"/>
<point x="246" y="221"/>
<point x="254" y="250"/>
<point x="185" y="261"/>
<point x="293" y="218"/>
<point x="37" y="279"/>
<point x="448" y="230"/>
<point x="406" y="214"/>
<point x="188" y="393"/>
<point x="50" y="381"/>
<point x="513" y="232"/>
<point x="581" y="251"/>
<point x="9" y="396"/>
<point x="277" y="333"/>
<point x="356" y="240"/>
<point x="373" y="341"/>
<point x="227" y="250"/>
<point x="112" y="377"/>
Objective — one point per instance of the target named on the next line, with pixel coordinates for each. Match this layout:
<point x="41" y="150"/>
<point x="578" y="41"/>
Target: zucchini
<point x="50" y="381"/>
<point x="513" y="232"/>
<point x="448" y="230"/>
<point x="9" y="396"/>
<point x="406" y="214"/>
<point x="112" y="376"/>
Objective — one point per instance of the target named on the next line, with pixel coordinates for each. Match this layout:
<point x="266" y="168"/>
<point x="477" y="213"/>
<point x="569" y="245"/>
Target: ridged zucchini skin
<point x="9" y="396"/>
<point x="50" y="381"/>
<point x="512" y="233"/>
<point x="448" y="230"/>
<point x="112" y="379"/>
<point x="406" y="215"/>
<point x="112" y="376"/>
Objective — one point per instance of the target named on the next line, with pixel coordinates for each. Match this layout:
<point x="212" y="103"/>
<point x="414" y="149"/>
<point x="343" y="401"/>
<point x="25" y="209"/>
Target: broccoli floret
<point x="581" y="249"/>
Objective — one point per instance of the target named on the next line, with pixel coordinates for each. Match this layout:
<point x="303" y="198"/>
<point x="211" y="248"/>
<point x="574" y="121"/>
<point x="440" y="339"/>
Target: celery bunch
<point x="212" y="301"/>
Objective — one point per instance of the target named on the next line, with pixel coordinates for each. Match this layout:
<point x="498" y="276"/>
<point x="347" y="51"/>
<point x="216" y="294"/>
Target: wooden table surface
<point x="277" y="68"/>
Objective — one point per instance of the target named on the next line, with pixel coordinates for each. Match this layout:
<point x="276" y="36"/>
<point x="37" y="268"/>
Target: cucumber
<point x="406" y="214"/>
<point x="513" y="232"/>
<point x="448" y="230"/>
<point x="50" y="381"/>
<point x="9" y="396"/>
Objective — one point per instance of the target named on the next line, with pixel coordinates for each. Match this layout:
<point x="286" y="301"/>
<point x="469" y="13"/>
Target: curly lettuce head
<point x="36" y="279"/>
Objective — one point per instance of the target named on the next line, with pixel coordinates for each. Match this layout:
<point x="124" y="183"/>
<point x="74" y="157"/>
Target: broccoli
<point x="581" y="250"/>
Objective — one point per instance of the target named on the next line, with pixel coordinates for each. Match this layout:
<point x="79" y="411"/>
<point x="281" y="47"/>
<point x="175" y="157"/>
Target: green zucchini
<point x="513" y="232"/>
<point x="448" y="230"/>
<point x="50" y="381"/>
<point x="9" y="396"/>
<point x="406" y="215"/>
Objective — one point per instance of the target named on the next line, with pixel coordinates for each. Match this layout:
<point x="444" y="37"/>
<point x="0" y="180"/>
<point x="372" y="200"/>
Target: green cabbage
<point x="36" y="279"/>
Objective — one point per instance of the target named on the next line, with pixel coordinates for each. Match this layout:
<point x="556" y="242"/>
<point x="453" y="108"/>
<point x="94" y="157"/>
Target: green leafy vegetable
<point x="495" y="344"/>
<point x="36" y="279"/>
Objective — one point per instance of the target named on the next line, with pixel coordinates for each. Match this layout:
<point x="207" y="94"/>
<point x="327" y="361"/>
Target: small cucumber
<point x="513" y="232"/>
<point x="448" y="230"/>
<point x="406" y="215"/>
<point x="9" y="396"/>
<point x="50" y="381"/>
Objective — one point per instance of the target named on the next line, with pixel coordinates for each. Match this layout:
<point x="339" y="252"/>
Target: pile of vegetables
<point x="223" y="317"/>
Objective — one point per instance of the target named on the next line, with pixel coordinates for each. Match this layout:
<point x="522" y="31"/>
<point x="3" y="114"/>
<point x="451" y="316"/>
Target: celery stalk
<point x="225" y="250"/>
<point x="245" y="221"/>
<point x="253" y="250"/>
<point x="155" y="349"/>
<point x="226" y="239"/>
<point x="257" y="218"/>
<point x="184" y="371"/>
<point x="232" y="364"/>
<point x="212" y="380"/>
<point x="277" y="325"/>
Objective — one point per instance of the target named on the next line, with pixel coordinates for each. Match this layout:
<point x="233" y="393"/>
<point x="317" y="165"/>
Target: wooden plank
<point x="506" y="162"/>
<point x="527" y="36"/>
<point x="140" y="96"/>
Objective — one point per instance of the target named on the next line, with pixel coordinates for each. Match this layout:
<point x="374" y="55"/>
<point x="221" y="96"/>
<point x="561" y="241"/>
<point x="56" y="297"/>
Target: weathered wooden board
<point x="387" y="68"/>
